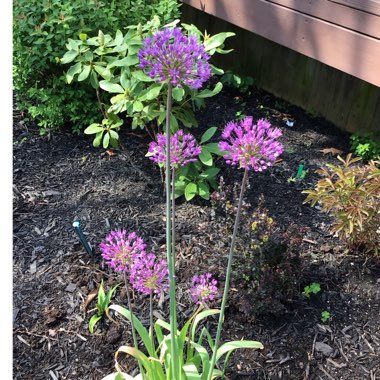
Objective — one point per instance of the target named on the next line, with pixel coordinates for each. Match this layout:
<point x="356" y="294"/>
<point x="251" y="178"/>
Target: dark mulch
<point x="63" y="178"/>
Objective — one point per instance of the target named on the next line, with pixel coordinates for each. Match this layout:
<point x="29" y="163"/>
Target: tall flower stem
<point x="151" y="316"/>
<point x="176" y="371"/>
<point x="228" y="274"/>
<point x="135" y="343"/>
<point x="173" y="219"/>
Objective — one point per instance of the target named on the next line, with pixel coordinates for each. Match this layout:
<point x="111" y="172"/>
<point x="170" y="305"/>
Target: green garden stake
<point x="82" y="238"/>
<point x="300" y="170"/>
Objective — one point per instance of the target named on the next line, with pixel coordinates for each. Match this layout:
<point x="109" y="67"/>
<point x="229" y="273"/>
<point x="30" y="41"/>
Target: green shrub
<point x="366" y="146"/>
<point x="111" y="66"/>
<point x="41" y="29"/>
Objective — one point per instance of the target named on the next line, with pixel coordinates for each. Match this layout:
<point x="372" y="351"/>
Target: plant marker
<point x="82" y="238"/>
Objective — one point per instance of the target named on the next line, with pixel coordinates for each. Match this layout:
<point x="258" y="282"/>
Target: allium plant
<point x="171" y="57"/>
<point x="251" y="146"/>
<point x="203" y="288"/>
<point x="176" y="60"/>
<point x="183" y="149"/>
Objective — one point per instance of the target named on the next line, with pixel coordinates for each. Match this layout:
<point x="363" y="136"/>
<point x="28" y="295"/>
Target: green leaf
<point x="178" y="93"/>
<point x="138" y="106"/>
<point x="129" y="60"/>
<point x="94" y="80"/>
<point x="141" y="76"/>
<point x="76" y="69"/>
<point x="230" y="346"/>
<point x="204" y="190"/>
<point x="206" y="157"/>
<point x="151" y="93"/>
<point x="88" y="56"/>
<point x="111" y="87"/>
<point x="84" y="74"/>
<point x="191" y="372"/>
<point x="199" y="317"/>
<point x="208" y="134"/>
<point x="214" y="148"/>
<point x="93" y="128"/>
<point x="141" y="330"/>
<point x="93" y="321"/>
<point x="211" y="172"/>
<point x="209" y="93"/>
<point x="106" y="140"/>
<point x="217" y="40"/>
<point x="98" y="139"/>
<point x="69" y="56"/>
<point x="191" y="191"/>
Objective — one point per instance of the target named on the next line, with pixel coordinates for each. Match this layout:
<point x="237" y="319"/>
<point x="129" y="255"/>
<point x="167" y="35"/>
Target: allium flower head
<point x="170" y="56"/>
<point x="119" y="250"/>
<point x="203" y="288"/>
<point x="149" y="275"/>
<point x="251" y="146"/>
<point x="183" y="149"/>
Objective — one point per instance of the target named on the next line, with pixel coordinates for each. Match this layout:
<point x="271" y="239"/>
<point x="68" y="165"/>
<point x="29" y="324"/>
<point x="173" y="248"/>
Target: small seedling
<point x="301" y="174"/>
<point x="313" y="288"/>
<point x="102" y="305"/>
<point x="240" y="115"/>
<point x="325" y="316"/>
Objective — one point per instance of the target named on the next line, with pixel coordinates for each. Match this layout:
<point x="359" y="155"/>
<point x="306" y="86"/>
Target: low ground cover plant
<point x="366" y="146"/>
<point x="350" y="193"/>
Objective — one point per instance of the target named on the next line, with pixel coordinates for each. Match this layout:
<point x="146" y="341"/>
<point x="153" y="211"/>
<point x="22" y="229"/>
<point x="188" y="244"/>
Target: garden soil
<point x="60" y="178"/>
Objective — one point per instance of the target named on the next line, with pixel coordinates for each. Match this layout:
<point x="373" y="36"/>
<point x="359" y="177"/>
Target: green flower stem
<point x="176" y="370"/>
<point x="135" y="343"/>
<point x="151" y="317"/>
<point x="173" y="219"/>
<point x="228" y="275"/>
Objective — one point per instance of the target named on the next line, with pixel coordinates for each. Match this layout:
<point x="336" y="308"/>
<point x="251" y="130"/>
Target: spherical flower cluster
<point x="126" y="253"/>
<point x="251" y="146"/>
<point x="183" y="149"/>
<point x="170" y="56"/>
<point x="149" y="275"/>
<point x="119" y="250"/>
<point x="203" y="288"/>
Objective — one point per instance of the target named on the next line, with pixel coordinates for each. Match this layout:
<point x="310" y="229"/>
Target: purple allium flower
<point x="251" y="146"/>
<point x="203" y="288"/>
<point x="149" y="275"/>
<point x="170" y="56"/>
<point x="183" y="149"/>
<point x="119" y="250"/>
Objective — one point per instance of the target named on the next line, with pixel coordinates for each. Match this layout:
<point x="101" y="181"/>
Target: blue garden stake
<point x="82" y="238"/>
<point x="299" y="172"/>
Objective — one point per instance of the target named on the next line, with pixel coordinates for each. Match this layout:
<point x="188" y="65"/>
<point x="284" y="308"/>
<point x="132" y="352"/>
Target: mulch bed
<point x="62" y="178"/>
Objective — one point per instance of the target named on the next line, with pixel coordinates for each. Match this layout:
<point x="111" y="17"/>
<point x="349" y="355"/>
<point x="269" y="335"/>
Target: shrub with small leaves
<point x="350" y="193"/>
<point x="366" y="146"/>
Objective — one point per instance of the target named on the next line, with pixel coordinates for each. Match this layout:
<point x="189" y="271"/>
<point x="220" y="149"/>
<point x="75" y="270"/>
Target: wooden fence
<point x="321" y="55"/>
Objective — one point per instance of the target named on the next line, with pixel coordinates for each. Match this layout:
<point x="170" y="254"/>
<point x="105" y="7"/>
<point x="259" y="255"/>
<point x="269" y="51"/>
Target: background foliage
<point x="41" y="29"/>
